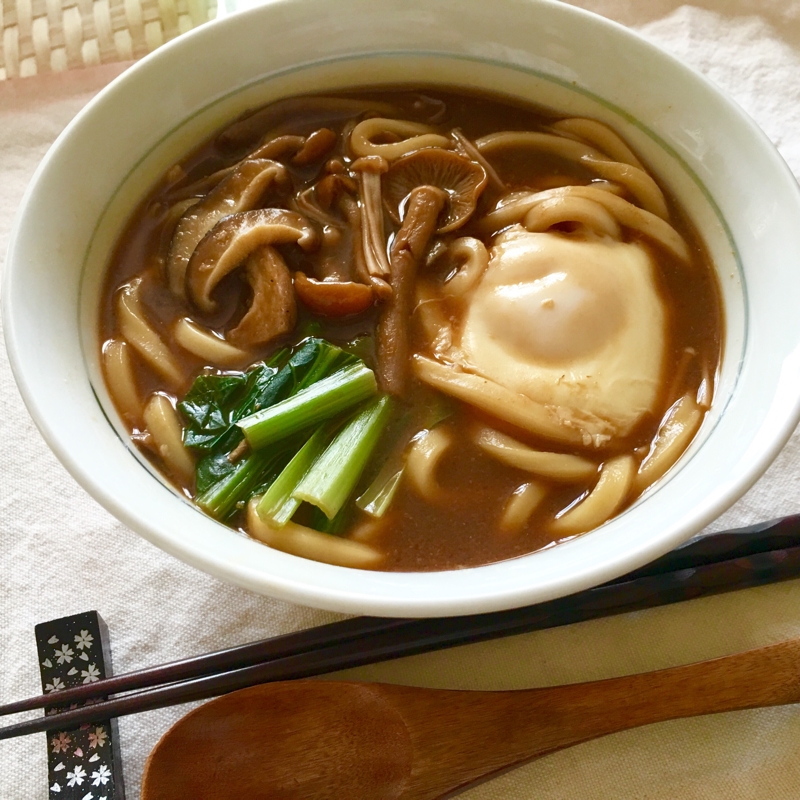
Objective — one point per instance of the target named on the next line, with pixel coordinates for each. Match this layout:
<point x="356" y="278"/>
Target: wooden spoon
<point x="327" y="740"/>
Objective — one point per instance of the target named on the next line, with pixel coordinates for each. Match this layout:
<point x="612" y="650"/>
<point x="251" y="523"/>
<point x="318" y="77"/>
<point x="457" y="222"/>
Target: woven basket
<point x="39" y="36"/>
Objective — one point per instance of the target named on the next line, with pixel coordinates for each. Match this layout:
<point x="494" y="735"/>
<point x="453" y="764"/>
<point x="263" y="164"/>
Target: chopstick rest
<point x="83" y="763"/>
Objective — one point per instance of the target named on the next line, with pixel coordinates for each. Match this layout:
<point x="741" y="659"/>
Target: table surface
<point x="60" y="553"/>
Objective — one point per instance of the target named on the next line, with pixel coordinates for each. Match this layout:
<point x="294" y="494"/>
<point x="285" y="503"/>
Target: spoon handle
<point x="361" y="741"/>
<point x="519" y="726"/>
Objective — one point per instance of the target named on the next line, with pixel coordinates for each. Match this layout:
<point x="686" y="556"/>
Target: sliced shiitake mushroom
<point x="302" y="150"/>
<point x="273" y="310"/>
<point x="462" y="180"/>
<point x="240" y="191"/>
<point x="254" y="127"/>
<point x="233" y="239"/>
<point x="278" y="147"/>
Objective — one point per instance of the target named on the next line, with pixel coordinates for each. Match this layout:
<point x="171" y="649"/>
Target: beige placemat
<point x="55" y="35"/>
<point x="60" y="553"/>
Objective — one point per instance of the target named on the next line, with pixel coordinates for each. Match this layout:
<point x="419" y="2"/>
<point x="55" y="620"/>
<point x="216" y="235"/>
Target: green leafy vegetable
<point x="209" y="407"/>
<point x="265" y="431"/>
<point x="277" y="504"/>
<point x="314" y="404"/>
<point x="222" y="498"/>
<point x="334" y="475"/>
<point x="215" y="403"/>
<point x="378" y="496"/>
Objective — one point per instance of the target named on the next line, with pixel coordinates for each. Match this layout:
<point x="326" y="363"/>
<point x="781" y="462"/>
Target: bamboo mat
<point x="38" y="36"/>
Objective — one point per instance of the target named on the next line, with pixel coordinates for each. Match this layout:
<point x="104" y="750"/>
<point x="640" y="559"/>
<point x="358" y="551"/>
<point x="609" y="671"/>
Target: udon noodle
<point x="411" y="331"/>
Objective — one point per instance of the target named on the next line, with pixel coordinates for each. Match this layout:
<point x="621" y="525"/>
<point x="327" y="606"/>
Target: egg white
<point x="576" y="325"/>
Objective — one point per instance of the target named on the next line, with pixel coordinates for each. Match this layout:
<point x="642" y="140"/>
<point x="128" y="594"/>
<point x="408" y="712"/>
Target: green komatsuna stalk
<point x="316" y="403"/>
<point x="277" y="505"/>
<point x="378" y="496"/>
<point x="221" y="499"/>
<point x="334" y="475"/>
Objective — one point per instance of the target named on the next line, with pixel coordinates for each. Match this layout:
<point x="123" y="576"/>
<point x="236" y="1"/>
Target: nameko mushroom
<point x="435" y="191"/>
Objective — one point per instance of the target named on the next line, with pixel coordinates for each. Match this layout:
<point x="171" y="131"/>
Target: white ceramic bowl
<point x="706" y="150"/>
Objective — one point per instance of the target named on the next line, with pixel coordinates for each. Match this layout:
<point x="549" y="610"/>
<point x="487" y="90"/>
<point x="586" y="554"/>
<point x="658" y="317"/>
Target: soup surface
<point x="411" y="330"/>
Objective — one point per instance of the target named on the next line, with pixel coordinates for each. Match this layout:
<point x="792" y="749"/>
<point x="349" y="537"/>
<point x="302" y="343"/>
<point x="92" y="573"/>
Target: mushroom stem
<point x="369" y="171"/>
<point x="425" y="203"/>
<point x="360" y="270"/>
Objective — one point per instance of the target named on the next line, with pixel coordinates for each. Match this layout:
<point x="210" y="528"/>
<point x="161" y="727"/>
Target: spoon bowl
<point x="322" y="740"/>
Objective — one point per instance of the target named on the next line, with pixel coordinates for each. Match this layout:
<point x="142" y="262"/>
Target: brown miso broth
<point x="460" y="519"/>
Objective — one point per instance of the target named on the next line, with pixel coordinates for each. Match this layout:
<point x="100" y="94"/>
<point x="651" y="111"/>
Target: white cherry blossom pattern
<point x="101" y="775"/>
<point x="81" y="762"/>
<point x="90" y="674"/>
<point x="84" y="640"/>
<point x="76" y="776"/>
<point x="61" y="742"/>
<point x="98" y="738"/>
<point x="64" y="653"/>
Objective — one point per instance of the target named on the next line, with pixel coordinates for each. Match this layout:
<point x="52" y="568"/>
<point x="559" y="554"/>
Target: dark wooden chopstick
<point x="693" y="570"/>
<point x="212" y="663"/>
<point x="762" y="537"/>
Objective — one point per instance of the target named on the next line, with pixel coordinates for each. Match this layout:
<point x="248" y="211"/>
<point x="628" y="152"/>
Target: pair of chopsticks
<point x="706" y="565"/>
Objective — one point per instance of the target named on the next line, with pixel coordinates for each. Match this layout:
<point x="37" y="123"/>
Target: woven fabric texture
<point x="55" y="35"/>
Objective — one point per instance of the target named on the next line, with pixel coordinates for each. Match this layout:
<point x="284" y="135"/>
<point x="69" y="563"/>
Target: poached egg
<point x="577" y="325"/>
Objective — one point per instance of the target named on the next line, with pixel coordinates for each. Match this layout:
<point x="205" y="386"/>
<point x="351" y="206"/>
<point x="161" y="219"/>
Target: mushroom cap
<point x="315" y="146"/>
<point x="463" y="181"/>
<point x="333" y="298"/>
<point x="233" y="239"/>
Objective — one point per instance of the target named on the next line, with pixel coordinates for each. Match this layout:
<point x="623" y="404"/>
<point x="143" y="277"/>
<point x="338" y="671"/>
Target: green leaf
<point x="216" y="465"/>
<point x="214" y="403"/>
<point x="208" y="407"/>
